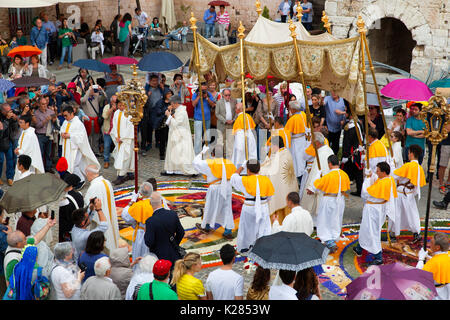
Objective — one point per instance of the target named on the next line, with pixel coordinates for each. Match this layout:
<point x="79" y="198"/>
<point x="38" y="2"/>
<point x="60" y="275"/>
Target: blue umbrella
<point x="159" y="62"/>
<point x="91" y="64"/>
<point x="372" y="100"/>
<point x="443" y="83"/>
<point x="5" y="85"/>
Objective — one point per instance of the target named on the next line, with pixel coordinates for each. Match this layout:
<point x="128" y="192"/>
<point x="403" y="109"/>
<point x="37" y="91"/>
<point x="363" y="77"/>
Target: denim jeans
<point x="198" y="134"/>
<point x="107" y="142"/>
<point x="46" y="149"/>
<point x="65" y="50"/>
<point x="144" y="40"/>
<point x="210" y="30"/>
<point x="170" y="36"/>
<point x="10" y="166"/>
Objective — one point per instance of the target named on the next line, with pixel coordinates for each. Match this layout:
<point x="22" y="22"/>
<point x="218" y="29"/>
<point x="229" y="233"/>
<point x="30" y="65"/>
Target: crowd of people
<point x="291" y="169"/>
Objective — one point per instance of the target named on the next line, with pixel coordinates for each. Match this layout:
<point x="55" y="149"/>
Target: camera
<point x="92" y="201"/>
<point x="82" y="266"/>
<point x="95" y="87"/>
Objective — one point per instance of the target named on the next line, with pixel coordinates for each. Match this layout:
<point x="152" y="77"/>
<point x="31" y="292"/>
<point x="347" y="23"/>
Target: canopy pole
<point x="355" y="119"/>
<point x="292" y="27"/>
<point x="372" y="70"/>
<point x="193" y="22"/>
<point x="241" y="35"/>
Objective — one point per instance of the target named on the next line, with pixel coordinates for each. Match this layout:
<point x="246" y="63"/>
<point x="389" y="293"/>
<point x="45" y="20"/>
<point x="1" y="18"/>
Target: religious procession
<point x="222" y="151"/>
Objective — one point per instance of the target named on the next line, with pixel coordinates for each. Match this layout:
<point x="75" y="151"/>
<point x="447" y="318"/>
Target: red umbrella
<point x="119" y="60"/>
<point x="25" y="51"/>
<point x="219" y="3"/>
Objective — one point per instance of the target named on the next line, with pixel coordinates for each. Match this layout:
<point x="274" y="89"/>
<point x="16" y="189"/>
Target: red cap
<point x="162" y="267"/>
<point x="71" y="85"/>
<point x="62" y="165"/>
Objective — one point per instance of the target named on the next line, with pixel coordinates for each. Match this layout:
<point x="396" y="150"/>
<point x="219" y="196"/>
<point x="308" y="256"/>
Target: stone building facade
<point x="413" y="35"/>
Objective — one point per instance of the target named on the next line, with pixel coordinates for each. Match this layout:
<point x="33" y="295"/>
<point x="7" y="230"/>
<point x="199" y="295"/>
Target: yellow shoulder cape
<point x="329" y="183"/>
<point x="239" y="123"/>
<point x="310" y="150"/>
<point x="296" y="124"/>
<point x="216" y="167"/>
<point x="409" y="170"/>
<point x="381" y="189"/>
<point x="265" y="185"/>
<point x="377" y="149"/>
<point x="439" y="266"/>
<point x="284" y="134"/>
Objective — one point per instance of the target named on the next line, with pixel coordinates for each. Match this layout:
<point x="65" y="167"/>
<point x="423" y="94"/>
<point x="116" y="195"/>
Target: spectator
<point x="143" y="273"/>
<point x="316" y="109"/>
<point x="90" y="103"/>
<point x="224" y="283"/>
<point x="20" y="40"/>
<point x="125" y="34"/>
<point x="225" y="114"/>
<point x="83" y="81"/>
<point x="259" y="288"/>
<point x="81" y="220"/>
<point x="108" y="114"/>
<point x="443" y="162"/>
<point x="95" y="245"/>
<point x="279" y="98"/>
<point x="223" y="21"/>
<point x="8" y="128"/>
<point x="398" y="124"/>
<point x="376" y="120"/>
<point x="444" y="203"/>
<point x="100" y="286"/>
<point x="114" y="27"/>
<point x="414" y="131"/>
<point x="284" y="9"/>
<point x="39" y="37"/>
<point x="96" y="43"/>
<point x="188" y="286"/>
<point x="113" y="81"/>
<point x="178" y="34"/>
<point x="307" y="14"/>
<point x="45" y="254"/>
<point x="143" y="21"/>
<point x="209" y="17"/>
<point x="155" y="93"/>
<point x="179" y="88"/>
<point x="84" y="30"/>
<point x="335" y="117"/>
<point x="208" y="103"/>
<point x="52" y="46"/>
<point x="16" y="68"/>
<point x="159" y="122"/>
<point x="212" y="88"/>
<point x="65" y="34"/>
<point x="4" y="230"/>
<point x="72" y="92"/>
<point x="36" y="69"/>
<point x="44" y="117"/>
<point x="160" y="227"/>
<point x="307" y="285"/>
<point x="72" y="201"/>
<point x="159" y="288"/>
<point x="121" y="269"/>
<point x="155" y="25"/>
<point x="396" y="140"/>
<point x="286" y="290"/>
<point x="66" y="277"/>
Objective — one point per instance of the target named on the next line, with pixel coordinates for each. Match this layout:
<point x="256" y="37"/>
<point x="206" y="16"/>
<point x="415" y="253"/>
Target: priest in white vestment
<point x="28" y="144"/>
<point x="279" y="168"/>
<point x="75" y="144"/>
<point x="218" y="205"/>
<point x="101" y="188"/>
<point x="310" y="199"/>
<point x="122" y="134"/>
<point x="180" y="149"/>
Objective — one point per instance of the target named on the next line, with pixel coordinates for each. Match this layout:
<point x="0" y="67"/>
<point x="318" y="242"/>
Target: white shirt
<point x="60" y="276"/>
<point x="225" y="284"/>
<point x="142" y="18"/>
<point x="228" y="114"/>
<point x="283" y="292"/>
<point x="286" y="8"/>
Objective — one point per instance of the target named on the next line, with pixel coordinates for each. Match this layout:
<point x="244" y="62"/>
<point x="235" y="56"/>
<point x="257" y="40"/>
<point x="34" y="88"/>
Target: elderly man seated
<point x="177" y="35"/>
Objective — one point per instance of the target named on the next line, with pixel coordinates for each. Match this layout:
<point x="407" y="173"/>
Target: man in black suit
<point x="160" y="227"/>
<point x="72" y="200"/>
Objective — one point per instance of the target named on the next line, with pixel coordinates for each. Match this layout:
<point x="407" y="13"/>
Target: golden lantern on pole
<point x="436" y="117"/>
<point x="326" y="22"/>
<point x="134" y="97"/>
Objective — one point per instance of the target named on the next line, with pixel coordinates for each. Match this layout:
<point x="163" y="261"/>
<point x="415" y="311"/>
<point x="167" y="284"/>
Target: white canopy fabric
<point x="168" y="12"/>
<point x="26" y="3"/>
<point x="266" y="31"/>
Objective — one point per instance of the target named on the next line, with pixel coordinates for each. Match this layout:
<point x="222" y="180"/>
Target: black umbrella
<point x="288" y="251"/>
<point x="31" y="82"/>
<point x="33" y="192"/>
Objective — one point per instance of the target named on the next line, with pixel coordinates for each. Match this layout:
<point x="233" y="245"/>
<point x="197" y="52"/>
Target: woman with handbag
<point x="67" y="40"/>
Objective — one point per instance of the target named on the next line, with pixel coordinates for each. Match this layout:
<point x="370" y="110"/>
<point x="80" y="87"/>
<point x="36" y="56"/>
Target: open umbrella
<point x="395" y="281"/>
<point x="5" y="85"/>
<point x="218" y="3"/>
<point x="33" y="192"/>
<point x="444" y="83"/>
<point x="31" y="82"/>
<point x="159" y="62"/>
<point x="288" y="251"/>
<point x="372" y="100"/>
<point x="24" y="51"/>
<point x="91" y="64"/>
<point x="407" y="89"/>
<point x="119" y="60"/>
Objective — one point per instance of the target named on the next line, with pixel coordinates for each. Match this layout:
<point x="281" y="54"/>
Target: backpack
<point x="41" y="286"/>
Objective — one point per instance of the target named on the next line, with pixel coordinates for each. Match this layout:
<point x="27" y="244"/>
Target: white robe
<point x="77" y="149"/>
<point x="138" y="248"/>
<point x="98" y="189"/>
<point x="299" y="220"/>
<point x="28" y="144"/>
<point x="253" y="223"/>
<point x="123" y="153"/>
<point x="309" y="202"/>
<point x="218" y="208"/>
<point x="397" y="151"/>
<point x="239" y="157"/>
<point x="373" y="218"/>
<point x="330" y="213"/>
<point x="180" y="149"/>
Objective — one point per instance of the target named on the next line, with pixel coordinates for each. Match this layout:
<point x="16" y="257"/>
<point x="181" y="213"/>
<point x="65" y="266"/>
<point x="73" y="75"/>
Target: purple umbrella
<point x="395" y="281"/>
<point x="407" y="89"/>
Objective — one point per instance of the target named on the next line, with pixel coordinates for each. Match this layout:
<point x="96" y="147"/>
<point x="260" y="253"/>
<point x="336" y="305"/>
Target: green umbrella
<point x="32" y="192"/>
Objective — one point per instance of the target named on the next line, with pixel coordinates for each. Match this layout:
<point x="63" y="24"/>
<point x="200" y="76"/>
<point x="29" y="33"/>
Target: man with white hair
<point x="143" y="273"/>
<point x="102" y="189"/>
<point x="310" y="200"/>
<point x="138" y="210"/>
<point x="100" y="286"/>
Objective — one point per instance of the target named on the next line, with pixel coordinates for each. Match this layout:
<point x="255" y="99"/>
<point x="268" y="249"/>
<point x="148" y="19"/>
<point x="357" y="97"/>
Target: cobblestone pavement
<point x="151" y="166"/>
